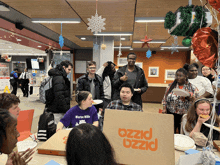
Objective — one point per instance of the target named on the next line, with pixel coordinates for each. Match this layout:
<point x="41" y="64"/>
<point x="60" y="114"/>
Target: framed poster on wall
<point x="4" y="76"/>
<point x="153" y="71"/>
<point x="122" y="61"/>
<point x="170" y="74"/>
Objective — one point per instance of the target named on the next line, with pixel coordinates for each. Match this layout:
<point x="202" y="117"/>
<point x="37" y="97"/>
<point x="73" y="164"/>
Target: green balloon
<point x="187" y="42"/>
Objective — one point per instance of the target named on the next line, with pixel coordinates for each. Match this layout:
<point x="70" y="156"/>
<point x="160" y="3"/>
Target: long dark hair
<point x="87" y="145"/>
<point x="108" y="71"/>
<point x="5" y="120"/>
<point x="173" y="85"/>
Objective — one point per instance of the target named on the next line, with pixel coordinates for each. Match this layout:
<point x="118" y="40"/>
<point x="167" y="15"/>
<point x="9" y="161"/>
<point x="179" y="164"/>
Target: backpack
<point x="46" y="90"/>
<point x="46" y="126"/>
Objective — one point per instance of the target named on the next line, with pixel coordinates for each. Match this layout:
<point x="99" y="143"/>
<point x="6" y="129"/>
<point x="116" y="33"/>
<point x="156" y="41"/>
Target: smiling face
<point x="125" y="94"/>
<point x="131" y="59"/>
<point x="206" y="71"/>
<point x="15" y="110"/>
<point x="91" y="69"/>
<point x="88" y="102"/>
<point x="12" y="134"/>
<point x="193" y="72"/>
<point x="180" y="78"/>
<point x="203" y="109"/>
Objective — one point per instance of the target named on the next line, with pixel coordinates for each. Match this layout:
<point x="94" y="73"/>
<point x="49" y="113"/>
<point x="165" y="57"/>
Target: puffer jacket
<point x="140" y="82"/>
<point x="83" y="84"/>
<point x="61" y="91"/>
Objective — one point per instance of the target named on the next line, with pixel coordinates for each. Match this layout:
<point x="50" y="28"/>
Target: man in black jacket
<point x="91" y="82"/>
<point x="61" y="90"/>
<point x="133" y="75"/>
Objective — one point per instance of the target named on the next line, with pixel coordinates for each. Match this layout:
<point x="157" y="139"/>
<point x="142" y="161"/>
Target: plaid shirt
<point x="117" y="104"/>
<point x="179" y="104"/>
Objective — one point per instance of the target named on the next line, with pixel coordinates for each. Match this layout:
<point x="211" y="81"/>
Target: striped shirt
<point x="117" y="104"/>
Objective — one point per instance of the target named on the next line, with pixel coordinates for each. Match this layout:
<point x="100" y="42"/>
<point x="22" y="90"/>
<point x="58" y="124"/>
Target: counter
<point x="154" y="93"/>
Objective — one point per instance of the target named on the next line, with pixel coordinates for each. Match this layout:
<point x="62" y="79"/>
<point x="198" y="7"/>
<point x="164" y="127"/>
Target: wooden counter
<point x="154" y="93"/>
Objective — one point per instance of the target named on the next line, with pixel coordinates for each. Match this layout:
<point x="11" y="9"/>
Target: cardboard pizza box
<point x="56" y="144"/>
<point x="140" y="138"/>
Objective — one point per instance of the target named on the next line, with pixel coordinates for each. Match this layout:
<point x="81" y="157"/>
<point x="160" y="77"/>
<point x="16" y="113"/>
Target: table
<point x="41" y="159"/>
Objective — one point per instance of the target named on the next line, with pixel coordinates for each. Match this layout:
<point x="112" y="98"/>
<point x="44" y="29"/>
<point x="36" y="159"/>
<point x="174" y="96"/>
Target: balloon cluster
<point x="205" y="46"/>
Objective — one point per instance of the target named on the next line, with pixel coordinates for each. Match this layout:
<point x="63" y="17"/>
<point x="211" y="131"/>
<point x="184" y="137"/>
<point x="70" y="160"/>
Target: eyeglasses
<point x="92" y="68"/>
<point x="134" y="59"/>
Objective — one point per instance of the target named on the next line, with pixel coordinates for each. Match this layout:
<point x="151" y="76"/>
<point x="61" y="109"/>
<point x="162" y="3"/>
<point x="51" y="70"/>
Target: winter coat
<point x="140" y="82"/>
<point x="61" y="91"/>
<point x="84" y="85"/>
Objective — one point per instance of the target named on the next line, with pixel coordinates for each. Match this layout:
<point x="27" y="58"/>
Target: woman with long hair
<point x="179" y="105"/>
<point x="199" y="113"/>
<point x="202" y="83"/>
<point x="87" y="145"/>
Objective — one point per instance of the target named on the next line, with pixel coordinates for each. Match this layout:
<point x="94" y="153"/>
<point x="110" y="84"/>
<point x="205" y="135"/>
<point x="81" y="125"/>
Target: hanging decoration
<point x="103" y="46"/>
<point x="215" y="4"/>
<point x="205" y="45"/>
<point x="187" y="20"/>
<point x="148" y="53"/>
<point x="186" y="41"/>
<point x="174" y="45"/>
<point x="146" y="40"/>
<point x="61" y="41"/>
<point x="119" y="52"/>
<point x="96" y="23"/>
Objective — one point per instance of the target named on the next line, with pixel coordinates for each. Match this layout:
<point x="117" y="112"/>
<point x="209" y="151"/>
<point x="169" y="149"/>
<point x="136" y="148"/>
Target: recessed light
<point x="162" y="49"/>
<point x="39" y="46"/>
<point x="123" y="38"/>
<point x="18" y="39"/>
<point x="131" y="49"/>
<point x="83" y="38"/>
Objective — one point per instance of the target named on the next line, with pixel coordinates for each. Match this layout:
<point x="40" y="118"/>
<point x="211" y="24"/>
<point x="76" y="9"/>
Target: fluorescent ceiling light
<point x="114" y="34"/>
<point x="123" y="39"/>
<point x="39" y="46"/>
<point x="131" y="49"/>
<point x="18" y="39"/>
<point x="154" y="41"/>
<point x="4" y="8"/>
<point x="149" y="19"/>
<point x="27" y="54"/>
<point x="83" y="38"/>
<point x="125" y="47"/>
<point x="178" y="47"/>
<point x="56" y="20"/>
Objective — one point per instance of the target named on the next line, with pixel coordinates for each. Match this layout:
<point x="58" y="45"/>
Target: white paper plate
<point x="181" y="92"/>
<point x="183" y="142"/>
<point x="137" y="90"/>
<point x="214" y="127"/>
<point x="24" y="145"/>
<point x="96" y="102"/>
<point x="69" y="128"/>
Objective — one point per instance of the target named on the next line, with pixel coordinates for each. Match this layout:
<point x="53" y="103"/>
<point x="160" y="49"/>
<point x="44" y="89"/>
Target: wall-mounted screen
<point x="34" y="64"/>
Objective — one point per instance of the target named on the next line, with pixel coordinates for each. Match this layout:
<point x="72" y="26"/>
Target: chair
<point x="181" y="127"/>
<point x="24" y="123"/>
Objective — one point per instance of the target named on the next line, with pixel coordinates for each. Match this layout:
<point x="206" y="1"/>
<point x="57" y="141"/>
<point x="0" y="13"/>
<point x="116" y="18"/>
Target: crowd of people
<point x="120" y="90"/>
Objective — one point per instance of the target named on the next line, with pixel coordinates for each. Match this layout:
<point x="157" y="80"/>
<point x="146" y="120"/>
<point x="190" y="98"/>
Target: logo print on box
<point x="138" y="139"/>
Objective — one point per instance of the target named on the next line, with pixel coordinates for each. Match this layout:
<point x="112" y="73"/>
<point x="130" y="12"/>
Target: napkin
<point x="199" y="138"/>
<point x="52" y="162"/>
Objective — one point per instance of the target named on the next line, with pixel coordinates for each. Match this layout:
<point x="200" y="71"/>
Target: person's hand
<point x="139" y="90"/>
<point x="164" y="111"/>
<point x="201" y="120"/>
<point x="105" y="64"/>
<point x="124" y="78"/>
<point x="10" y="159"/>
<point x="24" y="158"/>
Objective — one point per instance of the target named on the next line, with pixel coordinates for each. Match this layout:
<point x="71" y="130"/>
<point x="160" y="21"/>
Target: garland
<point x="184" y="28"/>
<point x="170" y="20"/>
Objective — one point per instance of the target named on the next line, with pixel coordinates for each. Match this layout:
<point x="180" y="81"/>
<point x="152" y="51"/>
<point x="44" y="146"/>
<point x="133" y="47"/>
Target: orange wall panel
<point x="163" y="60"/>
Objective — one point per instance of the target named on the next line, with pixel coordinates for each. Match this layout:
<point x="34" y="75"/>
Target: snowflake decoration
<point x="96" y="24"/>
<point x="174" y="45"/>
<point x="119" y="52"/>
<point x="95" y="47"/>
<point x="61" y="41"/>
<point x="148" y="53"/>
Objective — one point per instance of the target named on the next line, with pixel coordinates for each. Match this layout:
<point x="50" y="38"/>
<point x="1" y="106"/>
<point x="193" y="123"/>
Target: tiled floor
<point x="31" y="103"/>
